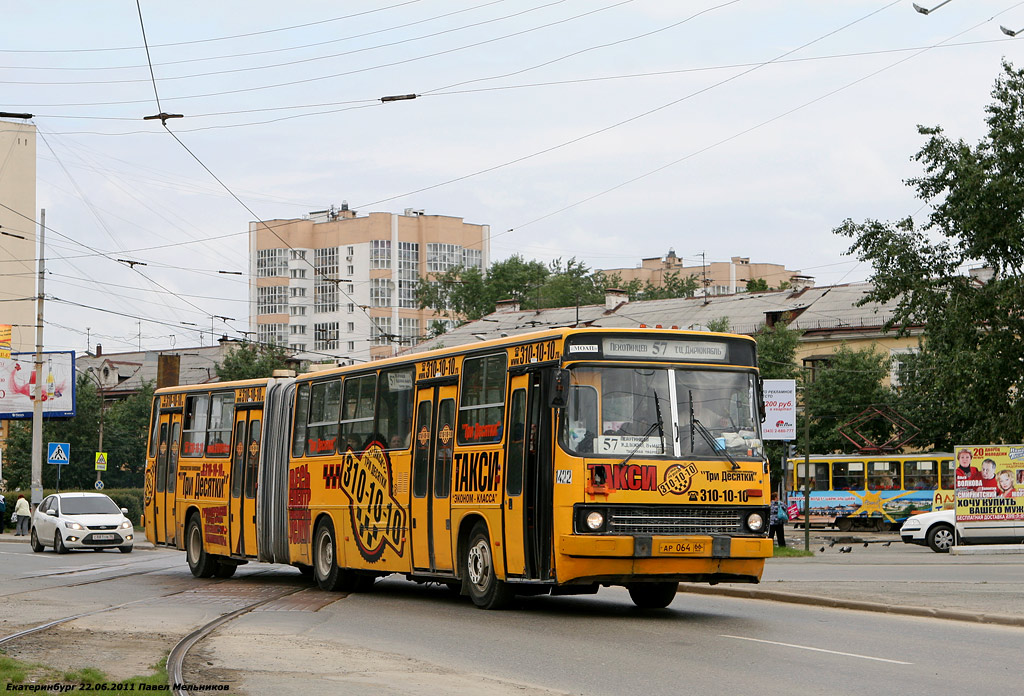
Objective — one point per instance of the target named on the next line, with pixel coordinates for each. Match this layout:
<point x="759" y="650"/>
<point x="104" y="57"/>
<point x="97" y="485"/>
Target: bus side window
<point x="394" y="408"/>
<point x="252" y="458"/>
<point x="517" y="443"/>
<point x="301" y="412"/>
<point x="357" y="413"/>
<point x="921" y="476"/>
<point x="445" y="450"/>
<point x="197" y="413"/>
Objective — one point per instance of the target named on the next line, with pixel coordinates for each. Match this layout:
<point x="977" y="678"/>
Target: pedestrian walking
<point x="777" y="519"/>
<point x="24" y="514"/>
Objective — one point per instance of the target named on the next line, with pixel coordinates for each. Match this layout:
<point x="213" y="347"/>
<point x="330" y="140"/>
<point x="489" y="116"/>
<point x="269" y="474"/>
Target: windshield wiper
<point x="698" y="427"/>
<point x="643" y="439"/>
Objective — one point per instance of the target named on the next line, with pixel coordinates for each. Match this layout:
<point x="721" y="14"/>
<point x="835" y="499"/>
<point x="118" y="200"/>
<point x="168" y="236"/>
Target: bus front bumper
<point x="664" y="546"/>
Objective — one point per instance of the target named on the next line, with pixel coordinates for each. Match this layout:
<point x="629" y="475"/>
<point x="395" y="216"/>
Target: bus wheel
<point x="652" y="595"/>
<point x="485" y="589"/>
<point x="200" y="563"/>
<point x="325" y="565"/>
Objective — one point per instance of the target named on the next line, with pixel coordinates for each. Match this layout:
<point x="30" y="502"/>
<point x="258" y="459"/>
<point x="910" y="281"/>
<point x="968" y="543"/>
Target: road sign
<point x="101" y="461"/>
<point x="58" y="453"/>
<point x="99" y="485"/>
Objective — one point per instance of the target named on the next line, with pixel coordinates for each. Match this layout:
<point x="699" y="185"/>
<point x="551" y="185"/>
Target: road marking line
<point x="806" y="647"/>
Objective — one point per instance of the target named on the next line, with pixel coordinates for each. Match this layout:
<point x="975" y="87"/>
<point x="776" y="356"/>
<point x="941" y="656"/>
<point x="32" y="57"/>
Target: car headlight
<point x="126" y="525"/>
<point x="911" y="523"/>
<point x="755" y="521"/>
<point x="73" y="525"/>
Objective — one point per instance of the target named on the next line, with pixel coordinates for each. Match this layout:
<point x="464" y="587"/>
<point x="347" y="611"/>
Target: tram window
<point x="394" y="415"/>
<point x="421" y="460"/>
<point x="819" y="470"/>
<point x="482" y="400"/>
<point x="357" y="413"/>
<point x="444" y="449"/>
<point x="947" y="478"/>
<point x="517" y="442"/>
<point x="222" y="414"/>
<point x="301" y="411"/>
<point x="848" y="476"/>
<point x="883" y="476"/>
<point x="324" y="401"/>
<point x="197" y="413"/>
<point x="921" y="476"/>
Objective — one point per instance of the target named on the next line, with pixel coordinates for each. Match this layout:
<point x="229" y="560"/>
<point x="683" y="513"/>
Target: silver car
<point x="81" y="521"/>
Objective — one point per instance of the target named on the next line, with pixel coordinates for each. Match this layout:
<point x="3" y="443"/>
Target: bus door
<point x="244" y="468"/>
<point x="169" y="432"/>
<point x="432" y="479"/>
<point x="514" y="509"/>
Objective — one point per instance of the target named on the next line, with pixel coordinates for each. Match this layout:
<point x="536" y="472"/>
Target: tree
<point x="757" y="285"/>
<point x="851" y="381"/>
<point x="252" y="361"/>
<point x="966" y="382"/>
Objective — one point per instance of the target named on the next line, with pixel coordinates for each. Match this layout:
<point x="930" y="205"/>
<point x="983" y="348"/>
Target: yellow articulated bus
<point x="553" y="462"/>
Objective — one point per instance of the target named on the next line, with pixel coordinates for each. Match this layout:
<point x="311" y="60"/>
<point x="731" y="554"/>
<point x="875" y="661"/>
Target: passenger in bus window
<point x="396" y="442"/>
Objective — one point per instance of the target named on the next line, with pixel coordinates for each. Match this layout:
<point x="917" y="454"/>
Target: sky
<point x="605" y="130"/>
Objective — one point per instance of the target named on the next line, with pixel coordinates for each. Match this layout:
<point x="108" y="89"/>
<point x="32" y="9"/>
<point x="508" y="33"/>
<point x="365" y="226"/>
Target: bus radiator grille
<point x="672" y="520"/>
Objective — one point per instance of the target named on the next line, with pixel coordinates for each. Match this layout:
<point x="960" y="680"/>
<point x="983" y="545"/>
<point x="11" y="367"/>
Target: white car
<point x="81" y="521"/>
<point x="935" y="529"/>
<point x="940" y="531"/>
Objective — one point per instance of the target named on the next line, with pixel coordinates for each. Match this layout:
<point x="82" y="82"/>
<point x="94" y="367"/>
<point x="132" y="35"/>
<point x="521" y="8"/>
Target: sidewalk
<point x="983" y="586"/>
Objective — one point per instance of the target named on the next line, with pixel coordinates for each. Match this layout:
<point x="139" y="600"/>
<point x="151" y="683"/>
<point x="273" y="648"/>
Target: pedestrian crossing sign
<point x="58" y="453"/>
<point x="101" y="461"/>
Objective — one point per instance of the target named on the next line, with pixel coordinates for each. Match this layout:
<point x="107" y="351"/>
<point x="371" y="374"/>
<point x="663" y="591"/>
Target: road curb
<point x="856" y="605"/>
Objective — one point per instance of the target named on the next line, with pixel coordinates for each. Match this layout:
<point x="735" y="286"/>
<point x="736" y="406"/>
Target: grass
<point x="791" y="552"/>
<point x="96" y="682"/>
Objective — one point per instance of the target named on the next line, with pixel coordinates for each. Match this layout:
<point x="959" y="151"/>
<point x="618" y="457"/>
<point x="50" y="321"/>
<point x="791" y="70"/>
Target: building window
<point x="298" y="329"/>
<point x="408" y="331"/>
<point x="275" y="334"/>
<point x="297" y="347"/>
<point x="381" y="334"/>
<point x="351" y="345"/>
<point x="325" y="297"/>
<point x="298" y="255"/>
<point x="351" y="270"/>
<point x="325" y="336"/>
<point x="351" y="327"/>
<point x="473" y="258"/>
<point x="408" y="273"/>
<point x="442" y="257"/>
<point x="297" y="292"/>
<point x="272" y="300"/>
<point x="298" y="273"/>
<point x="380" y="292"/>
<point x="380" y="253"/>
<point x="298" y="311"/>
<point x="325" y="262"/>
<point x="351" y="307"/>
<point x="271" y="263"/>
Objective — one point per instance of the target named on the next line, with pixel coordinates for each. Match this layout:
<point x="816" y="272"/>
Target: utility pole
<point x="37" y="405"/>
<point x="807" y="474"/>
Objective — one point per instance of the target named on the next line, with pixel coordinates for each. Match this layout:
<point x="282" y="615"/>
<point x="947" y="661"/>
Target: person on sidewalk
<point x="777" y="519"/>
<point x="24" y="514"/>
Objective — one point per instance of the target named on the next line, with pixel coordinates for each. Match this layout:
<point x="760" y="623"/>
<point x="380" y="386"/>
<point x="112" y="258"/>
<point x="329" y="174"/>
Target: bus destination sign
<point x="665" y="349"/>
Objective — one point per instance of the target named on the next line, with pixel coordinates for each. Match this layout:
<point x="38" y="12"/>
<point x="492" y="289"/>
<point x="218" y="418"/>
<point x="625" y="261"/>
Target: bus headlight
<point x="595" y="520"/>
<point x="755" y="521"/>
<point x="591" y="520"/>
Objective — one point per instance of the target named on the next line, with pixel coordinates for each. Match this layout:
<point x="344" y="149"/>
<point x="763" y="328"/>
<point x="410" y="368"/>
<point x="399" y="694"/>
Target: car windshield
<point x="89" y="505"/>
<point x="673" y="412"/>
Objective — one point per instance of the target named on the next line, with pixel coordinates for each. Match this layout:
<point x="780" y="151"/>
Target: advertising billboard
<point x="780" y="409"/>
<point x="18" y="385"/>
<point x="989" y="483"/>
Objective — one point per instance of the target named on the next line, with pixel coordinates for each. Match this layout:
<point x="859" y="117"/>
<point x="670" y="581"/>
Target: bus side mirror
<point x="760" y="399"/>
<point x="558" y="396"/>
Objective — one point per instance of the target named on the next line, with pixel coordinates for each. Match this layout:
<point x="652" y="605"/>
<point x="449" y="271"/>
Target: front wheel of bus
<point x="652" y="595"/>
<point x="485" y="589"/>
<point x="200" y="563"/>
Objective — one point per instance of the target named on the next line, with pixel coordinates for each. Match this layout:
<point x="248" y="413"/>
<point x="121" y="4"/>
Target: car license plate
<point x="104" y="537"/>
<point x="682" y="548"/>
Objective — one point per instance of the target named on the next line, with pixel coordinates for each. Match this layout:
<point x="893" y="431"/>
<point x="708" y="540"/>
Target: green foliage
<point x="720" y="325"/>
<point x="841" y="390"/>
<point x="125" y="430"/>
<point x="966" y="382"/>
<point x="15" y="673"/>
<point x="757" y="285"/>
<point x="252" y="361"/>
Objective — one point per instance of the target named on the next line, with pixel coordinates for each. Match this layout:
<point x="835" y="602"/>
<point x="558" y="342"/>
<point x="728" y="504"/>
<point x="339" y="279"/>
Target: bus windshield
<point x="659" y="411"/>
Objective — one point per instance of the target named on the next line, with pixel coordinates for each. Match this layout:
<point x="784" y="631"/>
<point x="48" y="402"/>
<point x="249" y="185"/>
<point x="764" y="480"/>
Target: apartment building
<point x="718" y="277"/>
<point x="336" y="285"/>
<point x="18" y="232"/>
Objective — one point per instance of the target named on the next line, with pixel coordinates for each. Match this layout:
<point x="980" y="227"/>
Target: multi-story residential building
<point x="337" y="285"/>
<point x="18" y="232"/>
<point x="719" y="277"/>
